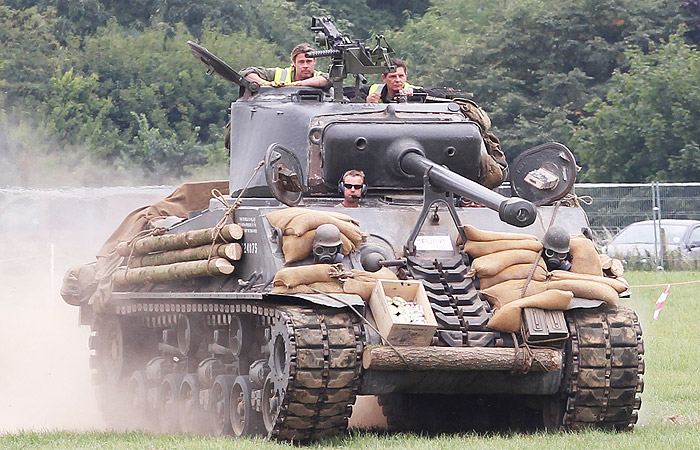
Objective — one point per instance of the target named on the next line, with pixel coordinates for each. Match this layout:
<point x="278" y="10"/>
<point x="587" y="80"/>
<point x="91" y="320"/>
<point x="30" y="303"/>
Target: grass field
<point x="669" y="418"/>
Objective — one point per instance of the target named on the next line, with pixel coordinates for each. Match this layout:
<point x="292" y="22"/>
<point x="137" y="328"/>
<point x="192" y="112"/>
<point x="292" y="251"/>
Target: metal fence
<point x="614" y="206"/>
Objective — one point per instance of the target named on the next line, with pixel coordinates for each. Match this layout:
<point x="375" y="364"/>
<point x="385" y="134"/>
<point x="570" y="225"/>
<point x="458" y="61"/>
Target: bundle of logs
<point x="192" y="254"/>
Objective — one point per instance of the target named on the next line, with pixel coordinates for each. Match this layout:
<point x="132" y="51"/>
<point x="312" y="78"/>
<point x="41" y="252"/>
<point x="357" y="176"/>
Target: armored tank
<point x="232" y="317"/>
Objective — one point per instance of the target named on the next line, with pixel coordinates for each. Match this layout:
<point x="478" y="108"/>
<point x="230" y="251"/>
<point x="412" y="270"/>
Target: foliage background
<point x="85" y="82"/>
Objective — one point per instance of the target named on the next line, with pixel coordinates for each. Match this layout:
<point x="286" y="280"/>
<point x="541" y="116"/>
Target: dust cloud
<point x="45" y="379"/>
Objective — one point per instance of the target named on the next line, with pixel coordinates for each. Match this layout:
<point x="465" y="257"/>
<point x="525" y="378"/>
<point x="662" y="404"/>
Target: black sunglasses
<point x="356" y="186"/>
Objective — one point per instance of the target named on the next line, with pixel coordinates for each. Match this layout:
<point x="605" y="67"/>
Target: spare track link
<point x="604" y="368"/>
<point x="324" y="377"/>
<point x="460" y="312"/>
<point x="325" y="359"/>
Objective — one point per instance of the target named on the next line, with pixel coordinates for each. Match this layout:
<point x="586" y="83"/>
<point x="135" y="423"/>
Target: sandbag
<point x="516" y="272"/>
<point x="382" y="274"/>
<point x="294" y="276"/>
<point x="280" y="218"/>
<point x="362" y="288"/>
<point x="511" y="290"/>
<point x="489" y="265"/>
<point x="475" y="249"/>
<point x="587" y="289"/>
<point x="620" y="285"/>
<point x="79" y="284"/>
<point x="362" y="283"/>
<point x="329" y="287"/>
<point x="475" y="234"/>
<point x="306" y="222"/>
<point x="584" y="256"/>
<point x="508" y="318"/>
<point x="354" y="281"/>
<point x="296" y="248"/>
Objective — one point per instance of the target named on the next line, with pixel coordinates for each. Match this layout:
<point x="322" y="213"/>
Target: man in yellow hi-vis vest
<point x="300" y="73"/>
<point x="394" y="84"/>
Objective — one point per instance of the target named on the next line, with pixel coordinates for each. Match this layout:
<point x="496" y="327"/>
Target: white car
<point x="675" y="235"/>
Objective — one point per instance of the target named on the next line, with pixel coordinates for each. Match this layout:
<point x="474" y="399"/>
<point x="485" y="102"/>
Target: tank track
<point x="460" y="312"/>
<point x="324" y="376"/>
<point x="604" y="365"/>
<point x="317" y="374"/>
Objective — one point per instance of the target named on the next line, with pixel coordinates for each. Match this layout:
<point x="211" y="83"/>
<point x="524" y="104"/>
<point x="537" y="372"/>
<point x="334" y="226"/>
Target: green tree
<point x="29" y="55"/>
<point x="160" y="156"/>
<point x="645" y="128"/>
<point x="532" y="64"/>
<point x="74" y="113"/>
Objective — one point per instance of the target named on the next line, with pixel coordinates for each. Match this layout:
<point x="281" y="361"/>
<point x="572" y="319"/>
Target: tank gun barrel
<point x="514" y="211"/>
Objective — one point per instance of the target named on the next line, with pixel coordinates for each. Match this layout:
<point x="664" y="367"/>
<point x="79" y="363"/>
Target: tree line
<point x="114" y="82"/>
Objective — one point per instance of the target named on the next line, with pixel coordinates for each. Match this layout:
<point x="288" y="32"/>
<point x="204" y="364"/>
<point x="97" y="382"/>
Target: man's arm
<point x="258" y="74"/>
<point x="317" y="81"/>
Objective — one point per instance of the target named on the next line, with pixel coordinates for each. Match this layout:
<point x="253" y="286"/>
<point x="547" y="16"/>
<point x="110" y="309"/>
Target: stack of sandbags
<point x="299" y="225"/>
<point x="328" y="278"/>
<point x="500" y="256"/>
<point x="555" y="293"/>
<point x="503" y="262"/>
<point x="508" y="317"/>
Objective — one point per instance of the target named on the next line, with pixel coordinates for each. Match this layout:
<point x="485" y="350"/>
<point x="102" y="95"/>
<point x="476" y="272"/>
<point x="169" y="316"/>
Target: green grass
<point x="669" y="418"/>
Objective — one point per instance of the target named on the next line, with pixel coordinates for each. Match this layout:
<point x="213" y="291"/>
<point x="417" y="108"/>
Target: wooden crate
<point x="400" y="333"/>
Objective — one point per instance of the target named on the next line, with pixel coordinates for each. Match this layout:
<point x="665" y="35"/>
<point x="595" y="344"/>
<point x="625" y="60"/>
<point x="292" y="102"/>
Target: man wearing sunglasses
<point x="352" y="186"/>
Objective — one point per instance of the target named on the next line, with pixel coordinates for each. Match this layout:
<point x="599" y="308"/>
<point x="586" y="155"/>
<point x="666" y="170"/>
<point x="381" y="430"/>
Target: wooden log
<point x="170" y="272"/>
<point x="456" y="358"/>
<point x="192" y="238"/>
<point x="232" y="252"/>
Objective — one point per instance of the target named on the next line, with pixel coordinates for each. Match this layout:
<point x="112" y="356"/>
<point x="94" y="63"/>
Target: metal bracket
<point x="431" y="196"/>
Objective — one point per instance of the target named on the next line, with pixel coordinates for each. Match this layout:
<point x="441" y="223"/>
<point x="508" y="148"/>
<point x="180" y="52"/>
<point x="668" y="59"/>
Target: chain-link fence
<point x="614" y="206"/>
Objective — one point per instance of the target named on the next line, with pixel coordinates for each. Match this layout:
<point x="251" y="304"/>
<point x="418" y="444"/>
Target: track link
<point x="324" y="375"/>
<point x="460" y="312"/>
<point x="318" y="365"/>
<point x="604" y="368"/>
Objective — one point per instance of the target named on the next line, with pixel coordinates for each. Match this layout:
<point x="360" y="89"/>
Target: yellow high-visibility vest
<point x="285" y="75"/>
<point x="380" y="86"/>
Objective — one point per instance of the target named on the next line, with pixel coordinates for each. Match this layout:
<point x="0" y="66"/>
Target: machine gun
<point x="348" y="56"/>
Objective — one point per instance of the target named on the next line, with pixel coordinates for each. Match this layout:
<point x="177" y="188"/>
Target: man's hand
<point x="407" y="90"/>
<point x="374" y="97"/>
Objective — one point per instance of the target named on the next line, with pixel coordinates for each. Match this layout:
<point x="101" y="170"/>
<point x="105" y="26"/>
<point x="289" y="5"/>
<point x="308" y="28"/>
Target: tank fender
<point x="353" y="300"/>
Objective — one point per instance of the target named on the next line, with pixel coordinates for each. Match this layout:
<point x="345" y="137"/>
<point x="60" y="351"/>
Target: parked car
<point x="674" y="235"/>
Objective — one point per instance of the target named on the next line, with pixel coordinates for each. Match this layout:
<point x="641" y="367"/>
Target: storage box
<point x="401" y="333"/>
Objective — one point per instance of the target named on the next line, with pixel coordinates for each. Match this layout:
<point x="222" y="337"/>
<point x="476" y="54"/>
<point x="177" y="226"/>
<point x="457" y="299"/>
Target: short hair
<point x="301" y="48"/>
<point x="398" y="63"/>
<point x="353" y="173"/>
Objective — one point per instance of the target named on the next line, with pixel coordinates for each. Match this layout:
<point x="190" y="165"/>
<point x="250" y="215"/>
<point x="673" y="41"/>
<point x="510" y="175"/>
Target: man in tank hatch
<point x="302" y="71"/>
<point x="393" y="85"/>
<point x="352" y="186"/>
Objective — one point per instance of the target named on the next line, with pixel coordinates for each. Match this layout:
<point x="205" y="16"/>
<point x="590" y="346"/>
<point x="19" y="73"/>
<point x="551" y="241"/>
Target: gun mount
<point x="348" y="56"/>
